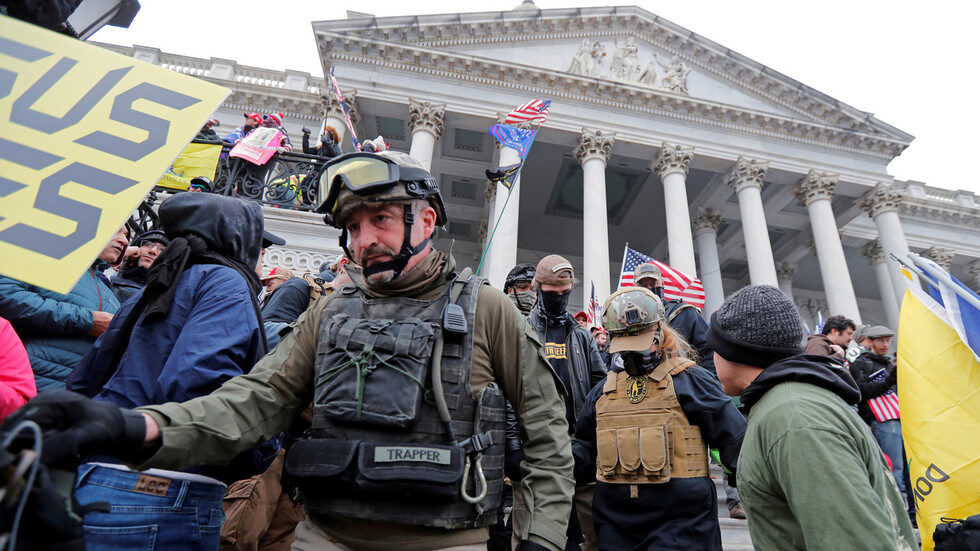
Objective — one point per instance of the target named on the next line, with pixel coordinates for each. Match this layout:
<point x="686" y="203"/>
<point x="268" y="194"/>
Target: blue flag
<point x="513" y="137"/>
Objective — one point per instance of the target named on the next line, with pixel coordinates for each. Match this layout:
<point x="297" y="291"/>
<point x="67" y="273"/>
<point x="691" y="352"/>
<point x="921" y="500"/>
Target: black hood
<point x="822" y="371"/>
<point x="229" y="226"/>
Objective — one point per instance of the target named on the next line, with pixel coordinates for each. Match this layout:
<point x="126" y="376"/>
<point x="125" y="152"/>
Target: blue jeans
<point x="889" y="437"/>
<point x="148" y="513"/>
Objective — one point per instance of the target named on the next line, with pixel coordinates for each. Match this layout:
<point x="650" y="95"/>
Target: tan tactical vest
<point x="642" y="435"/>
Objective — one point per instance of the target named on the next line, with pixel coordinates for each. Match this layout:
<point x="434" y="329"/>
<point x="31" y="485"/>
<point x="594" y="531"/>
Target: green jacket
<point x="254" y="407"/>
<point x="810" y="474"/>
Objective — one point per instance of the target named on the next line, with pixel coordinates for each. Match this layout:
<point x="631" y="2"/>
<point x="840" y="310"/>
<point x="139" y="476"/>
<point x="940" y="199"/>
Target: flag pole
<point x="943" y="277"/>
<point x="510" y="191"/>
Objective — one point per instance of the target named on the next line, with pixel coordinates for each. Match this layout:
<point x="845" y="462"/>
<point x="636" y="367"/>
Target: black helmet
<point x="522" y="273"/>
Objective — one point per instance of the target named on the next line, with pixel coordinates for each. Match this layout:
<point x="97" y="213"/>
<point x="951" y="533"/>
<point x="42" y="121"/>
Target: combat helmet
<point x="355" y="180"/>
<point x="632" y="316"/>
<point x="647" y="270"/>
<point x="521" y="273"/>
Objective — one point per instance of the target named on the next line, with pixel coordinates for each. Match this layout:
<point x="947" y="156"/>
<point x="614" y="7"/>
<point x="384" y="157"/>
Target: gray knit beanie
<point x="758" y="325"/>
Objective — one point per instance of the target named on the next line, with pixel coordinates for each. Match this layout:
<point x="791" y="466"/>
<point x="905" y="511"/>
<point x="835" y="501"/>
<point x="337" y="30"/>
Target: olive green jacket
<point x="252" y="408"/>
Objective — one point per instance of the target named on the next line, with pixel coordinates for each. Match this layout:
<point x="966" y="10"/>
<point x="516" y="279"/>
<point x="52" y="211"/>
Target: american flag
<point x="594" y="311"/>
<point x="534" y="111"/>
<point x="677" y="285"/>
<point x="884" y="407"/>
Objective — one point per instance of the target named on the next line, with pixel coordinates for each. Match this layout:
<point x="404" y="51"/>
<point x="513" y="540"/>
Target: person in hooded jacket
<point x="575" y="360"/>
<point x="195" y="325"/>
<point x="58" y="329"/>
<point x="810" y="474"/>
<point x="131" y="276"/>
<point x="644" y="434"/>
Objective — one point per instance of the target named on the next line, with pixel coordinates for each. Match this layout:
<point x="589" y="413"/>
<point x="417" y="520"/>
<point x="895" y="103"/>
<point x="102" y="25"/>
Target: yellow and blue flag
<point x="939" y="396"/>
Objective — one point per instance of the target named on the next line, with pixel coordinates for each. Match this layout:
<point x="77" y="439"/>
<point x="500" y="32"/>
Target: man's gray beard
<point x="386" y="276"/>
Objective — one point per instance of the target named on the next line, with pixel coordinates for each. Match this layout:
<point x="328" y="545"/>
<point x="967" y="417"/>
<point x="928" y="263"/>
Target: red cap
<point x="214" y="122"/>
<point x="277" y="118"/>
<point x="581" y="314"/>
<point x="254" y="116"/>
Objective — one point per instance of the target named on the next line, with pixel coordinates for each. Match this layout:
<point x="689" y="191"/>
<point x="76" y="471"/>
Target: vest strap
<point x="610" y="385"/>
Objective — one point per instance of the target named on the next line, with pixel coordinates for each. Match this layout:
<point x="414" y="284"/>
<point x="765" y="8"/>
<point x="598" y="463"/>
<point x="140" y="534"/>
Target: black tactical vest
<point x="378" y="448"/>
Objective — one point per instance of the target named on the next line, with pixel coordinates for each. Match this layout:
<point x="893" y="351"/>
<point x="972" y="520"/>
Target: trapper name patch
<point x="390" y="454"/>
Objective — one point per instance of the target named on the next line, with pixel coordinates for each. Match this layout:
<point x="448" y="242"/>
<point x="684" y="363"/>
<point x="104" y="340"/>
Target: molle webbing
<point x="642" y="434"/>
<point x="389" y="341"/>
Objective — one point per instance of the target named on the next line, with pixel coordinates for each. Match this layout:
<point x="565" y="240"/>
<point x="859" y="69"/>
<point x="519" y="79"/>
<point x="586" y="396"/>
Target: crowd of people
<point x="396" y="401"/>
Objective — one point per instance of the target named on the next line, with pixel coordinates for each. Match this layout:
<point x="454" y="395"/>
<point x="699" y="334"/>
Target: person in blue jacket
<point x="644" y="435"/>
<point x="195" y="325"/>
<point x="58" y="329"/>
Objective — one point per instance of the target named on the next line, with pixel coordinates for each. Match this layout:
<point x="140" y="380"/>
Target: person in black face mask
<point x="681" y="316"/>
<point x="644" y="434"/>
<point x="574" y="356"/>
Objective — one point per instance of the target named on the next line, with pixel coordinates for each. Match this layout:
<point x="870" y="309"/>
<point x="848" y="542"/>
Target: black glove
<point x="512" y="464"/>
<point x="74" y="426"/>
<point x="306" y="130"/>
<point x="528" y="545"/>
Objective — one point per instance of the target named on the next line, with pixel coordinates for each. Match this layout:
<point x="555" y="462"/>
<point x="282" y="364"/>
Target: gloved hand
<point x="306" y="130"/>
<point x="74" y="425"/>
<point x="512" y="464"/>
<point x="528" y="545"/>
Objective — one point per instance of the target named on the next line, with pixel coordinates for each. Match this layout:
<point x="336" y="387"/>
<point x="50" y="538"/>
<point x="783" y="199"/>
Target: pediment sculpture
<point x="627" y="66"/>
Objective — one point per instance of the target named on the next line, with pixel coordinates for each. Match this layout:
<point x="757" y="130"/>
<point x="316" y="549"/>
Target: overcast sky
<point x="912" y="64"/>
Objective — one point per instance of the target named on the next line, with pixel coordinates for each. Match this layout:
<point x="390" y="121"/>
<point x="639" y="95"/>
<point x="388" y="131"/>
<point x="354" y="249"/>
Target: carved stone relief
<point x="626" y="65"/>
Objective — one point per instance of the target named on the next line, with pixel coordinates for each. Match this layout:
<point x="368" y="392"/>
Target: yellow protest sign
<point x="197" y="159"/>
<point x="939" y="397"/>
<point x="84" y="135"/>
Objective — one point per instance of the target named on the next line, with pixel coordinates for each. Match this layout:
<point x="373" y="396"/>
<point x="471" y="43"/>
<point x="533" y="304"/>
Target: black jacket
<point x="287" y="302"/>
<point x="585" y="365"/>
<point x="681" y="513"/>
<point x="862" y="368"/>
<point x="129" y="281"/>
<point x="690" y="325"/>
<point x="328" y="150"/>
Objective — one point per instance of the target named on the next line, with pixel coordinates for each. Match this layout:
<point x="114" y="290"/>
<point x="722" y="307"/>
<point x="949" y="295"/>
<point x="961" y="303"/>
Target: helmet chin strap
<point x="398" y="263"/>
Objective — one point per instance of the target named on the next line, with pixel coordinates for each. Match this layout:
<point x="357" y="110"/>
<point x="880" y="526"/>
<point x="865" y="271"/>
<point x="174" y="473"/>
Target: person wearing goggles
<point x="407" y="366"/>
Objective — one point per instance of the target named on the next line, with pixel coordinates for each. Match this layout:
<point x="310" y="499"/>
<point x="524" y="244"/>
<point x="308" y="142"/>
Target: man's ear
<point x="428" y="219"/>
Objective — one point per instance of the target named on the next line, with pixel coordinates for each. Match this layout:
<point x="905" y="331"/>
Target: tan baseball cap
<point x="554" y="270"/>
<point x="647" y="270"/>
<point x="277" y="273"/>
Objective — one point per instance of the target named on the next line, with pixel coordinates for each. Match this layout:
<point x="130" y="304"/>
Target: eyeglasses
<point x="153" y="245"/>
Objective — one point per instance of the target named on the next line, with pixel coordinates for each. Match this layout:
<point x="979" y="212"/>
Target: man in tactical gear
<point x="644" y="435"/>
<point x="407" y="368"/>
<point x="519" y="289"/>
<point x="681" y="316"/>
<point x="574" y="356"/>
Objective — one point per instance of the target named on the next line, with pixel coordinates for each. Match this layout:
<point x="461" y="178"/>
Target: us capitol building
<point x="688" y="151"/>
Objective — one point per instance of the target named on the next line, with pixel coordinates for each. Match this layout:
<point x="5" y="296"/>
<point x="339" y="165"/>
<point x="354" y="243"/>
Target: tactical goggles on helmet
<point x="369" y="174"/>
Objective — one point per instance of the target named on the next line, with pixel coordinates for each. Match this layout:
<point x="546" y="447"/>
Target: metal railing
<point x="288" y="180"/>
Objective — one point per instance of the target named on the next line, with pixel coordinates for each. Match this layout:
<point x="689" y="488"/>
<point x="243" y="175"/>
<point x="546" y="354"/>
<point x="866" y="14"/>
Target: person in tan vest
<point x="643" y="435"/>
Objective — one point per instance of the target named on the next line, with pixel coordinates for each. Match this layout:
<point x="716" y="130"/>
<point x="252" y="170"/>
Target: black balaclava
<point x="553" y="305"/>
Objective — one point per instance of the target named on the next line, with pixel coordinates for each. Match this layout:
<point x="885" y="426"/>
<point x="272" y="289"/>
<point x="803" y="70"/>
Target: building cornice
<point x="337" y="48"/>
<point x="467" y="29"/>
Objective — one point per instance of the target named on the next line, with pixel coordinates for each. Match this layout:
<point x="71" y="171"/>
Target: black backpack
<point x="958" y="534"/>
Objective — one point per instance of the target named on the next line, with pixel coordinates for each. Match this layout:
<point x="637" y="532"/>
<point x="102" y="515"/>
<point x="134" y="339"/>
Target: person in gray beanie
<point x="810" y="474"/>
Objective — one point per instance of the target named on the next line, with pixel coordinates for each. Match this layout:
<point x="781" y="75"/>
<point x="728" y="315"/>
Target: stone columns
<point x="705" y="229"/>
<point x="940" y="255"/>
<point x="875" y="255"/>
<point x="426" y="120"/>
<point x="785" y="272"/>
<point x="502" y="249"/>
<point x="334" y="115"/>
<point x="881" y="204"/>
<point x="745" y="179"/>
<point x="672" y="166"/>
<point x="814" y="191"/>
<point x="974" y="270"/>
<point x="593" y="152"/>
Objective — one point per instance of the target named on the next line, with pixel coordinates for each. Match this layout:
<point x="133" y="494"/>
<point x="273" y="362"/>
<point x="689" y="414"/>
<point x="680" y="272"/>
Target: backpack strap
<point x="683" y="306"/>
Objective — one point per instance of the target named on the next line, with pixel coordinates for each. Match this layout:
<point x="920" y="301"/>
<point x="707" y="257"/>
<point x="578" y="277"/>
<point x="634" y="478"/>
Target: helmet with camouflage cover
<point x="338" y="199"/>
<point x="632" y="316"/>
<point x="646" y="271"/>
